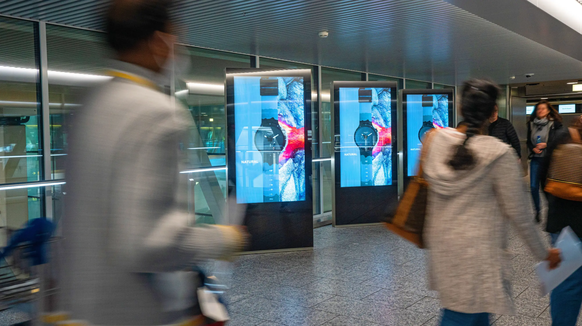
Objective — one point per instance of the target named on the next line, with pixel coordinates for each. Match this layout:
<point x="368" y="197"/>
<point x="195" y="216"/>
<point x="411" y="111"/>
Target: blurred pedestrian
<point x="127" y="248"/>
<point x="541" y="131"/>
<point x="475" y="192"/>
<point x="504" y="130"/>
<point x="566" y="299"/>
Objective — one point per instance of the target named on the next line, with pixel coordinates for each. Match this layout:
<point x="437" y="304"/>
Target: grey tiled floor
<point x="359" y="276"/>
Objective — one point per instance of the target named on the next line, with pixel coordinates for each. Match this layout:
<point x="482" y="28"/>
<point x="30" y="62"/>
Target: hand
<point x="554" y="258"/>
<point x="541" y="145"/>
<point x="537" y="150"/>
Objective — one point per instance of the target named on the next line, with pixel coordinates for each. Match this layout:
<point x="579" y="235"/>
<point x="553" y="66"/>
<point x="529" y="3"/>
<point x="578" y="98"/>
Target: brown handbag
<point x="565" y="174"/>
<point x="408" y="221"/>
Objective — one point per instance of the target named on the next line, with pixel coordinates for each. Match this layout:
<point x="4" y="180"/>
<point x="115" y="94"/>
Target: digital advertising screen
<point x="529" y="109"/>
<point x="366" y="144"/>
<point x="423" y="111"/>
<point x="269" y="136"/>
<point x="365" y="161"/>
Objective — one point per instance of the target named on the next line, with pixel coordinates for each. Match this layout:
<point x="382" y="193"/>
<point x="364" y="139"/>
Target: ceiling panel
<point x="429" y="40"/>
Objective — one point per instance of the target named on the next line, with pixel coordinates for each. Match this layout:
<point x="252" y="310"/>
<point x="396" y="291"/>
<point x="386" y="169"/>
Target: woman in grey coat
<point x="475" y="191"/>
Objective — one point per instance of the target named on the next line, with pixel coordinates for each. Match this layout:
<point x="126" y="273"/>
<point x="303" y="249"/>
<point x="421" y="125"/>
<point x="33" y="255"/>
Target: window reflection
<point x="76" y="63"/>
<point x="20" y="145"/>
<point x="200" y="88"/>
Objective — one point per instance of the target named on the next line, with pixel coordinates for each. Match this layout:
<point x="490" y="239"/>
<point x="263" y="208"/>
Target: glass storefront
<point x="20" y="124"/>
<point x="76" y="62"/>
<point x="199" y="87"/>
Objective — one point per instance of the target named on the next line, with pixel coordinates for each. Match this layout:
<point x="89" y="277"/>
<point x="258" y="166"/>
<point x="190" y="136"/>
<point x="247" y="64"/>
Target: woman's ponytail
<point x="478" y="101"/>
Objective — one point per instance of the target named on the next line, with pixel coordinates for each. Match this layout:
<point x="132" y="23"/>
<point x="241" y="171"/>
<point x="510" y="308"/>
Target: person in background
<point x="504" y="130"/>
<point x="541" y="131"/>
<point x="566" y="298"/>
<point x="475" y="192"/>
<point x="128" y="247"/>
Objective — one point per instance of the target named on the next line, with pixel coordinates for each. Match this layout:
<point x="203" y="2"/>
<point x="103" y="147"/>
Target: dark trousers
<point x="535" y="180"/>
<point x="453" y="318"/>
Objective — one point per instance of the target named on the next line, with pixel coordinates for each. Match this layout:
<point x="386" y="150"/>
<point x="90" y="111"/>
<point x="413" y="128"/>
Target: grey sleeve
<point x="516" y="203"/>
<point x="148" y="231"/>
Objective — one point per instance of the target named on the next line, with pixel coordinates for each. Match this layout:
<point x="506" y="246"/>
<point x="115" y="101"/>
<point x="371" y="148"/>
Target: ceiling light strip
<point x="32" y="185"/>
<point x="214" y="168"/>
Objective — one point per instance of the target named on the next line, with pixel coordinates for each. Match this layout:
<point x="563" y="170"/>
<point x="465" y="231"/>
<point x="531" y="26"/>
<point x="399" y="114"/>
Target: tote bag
<point x="408" y="221"/>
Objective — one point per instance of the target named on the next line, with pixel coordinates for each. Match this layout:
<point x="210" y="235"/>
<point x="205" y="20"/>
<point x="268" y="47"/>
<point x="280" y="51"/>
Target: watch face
<point x="269" y="138"/>
<point x="422" y="132"/>
<point x="366" y="136"/>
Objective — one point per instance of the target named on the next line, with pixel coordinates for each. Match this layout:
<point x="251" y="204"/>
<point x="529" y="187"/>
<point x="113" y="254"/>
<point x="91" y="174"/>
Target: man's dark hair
<point x="130" y="22"/>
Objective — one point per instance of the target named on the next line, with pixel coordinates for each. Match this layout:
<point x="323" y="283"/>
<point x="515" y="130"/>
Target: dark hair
<point x="554" y="115"/>
<point x="478" y="101"/>
<point x="130" y="22"/>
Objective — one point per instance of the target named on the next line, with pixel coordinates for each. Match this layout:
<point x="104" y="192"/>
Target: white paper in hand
<point x="210" y="305"/>
<point x="571" y="254"/>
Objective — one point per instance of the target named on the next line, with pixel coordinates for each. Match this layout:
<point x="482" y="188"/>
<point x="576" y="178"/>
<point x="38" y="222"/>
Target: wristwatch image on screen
<point x="427" y="124"/>
<point x="366" y="137"/>
<point x="270" y="139"/>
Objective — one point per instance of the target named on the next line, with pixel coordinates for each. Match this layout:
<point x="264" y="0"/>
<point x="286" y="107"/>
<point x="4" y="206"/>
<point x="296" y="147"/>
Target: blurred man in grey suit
<point x="127" y="243"/>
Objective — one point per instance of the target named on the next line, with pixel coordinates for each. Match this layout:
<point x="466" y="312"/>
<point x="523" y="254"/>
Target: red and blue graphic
<point x="270" y="139"/>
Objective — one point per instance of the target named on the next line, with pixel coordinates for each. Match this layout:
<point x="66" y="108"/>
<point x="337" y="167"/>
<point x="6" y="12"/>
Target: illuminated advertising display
<point x="365" y="117"/>
<point x="365" y="161"/>
<point x="424" y="110"/>
<point x="268" y="127"/>
<point x="268" y="109"/>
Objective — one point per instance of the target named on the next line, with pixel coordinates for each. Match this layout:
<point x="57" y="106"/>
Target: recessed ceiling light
<point x="512" y="77"/>
<point x="544" y="98"/>
<point x="572" y="83"/>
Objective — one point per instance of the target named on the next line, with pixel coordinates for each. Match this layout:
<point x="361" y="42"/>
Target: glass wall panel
<point x="399" y="81"/>
<point x="200" y="76"/>
<point x="415" y="84"/>
<point x="200" y="87"/>
<point x="207" y="191"/>
<point x="20" y="114"/>
<point x="76" y="63"/>
<point x="327" y="76"/>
